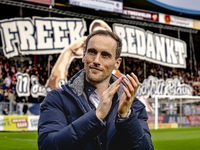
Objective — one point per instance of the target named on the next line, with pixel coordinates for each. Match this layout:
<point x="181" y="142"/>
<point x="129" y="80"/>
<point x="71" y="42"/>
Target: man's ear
<point x="117" y="63"/>
<point x="83" y="59"/>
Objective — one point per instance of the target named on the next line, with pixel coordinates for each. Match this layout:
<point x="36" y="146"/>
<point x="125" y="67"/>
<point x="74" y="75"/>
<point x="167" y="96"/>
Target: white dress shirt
<point x="94" y="99"/>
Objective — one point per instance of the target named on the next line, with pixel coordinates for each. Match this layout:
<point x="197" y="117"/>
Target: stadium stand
<point x="38" y="67"/>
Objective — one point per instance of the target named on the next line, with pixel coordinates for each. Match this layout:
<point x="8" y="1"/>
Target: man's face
<point x="99" y="59"/>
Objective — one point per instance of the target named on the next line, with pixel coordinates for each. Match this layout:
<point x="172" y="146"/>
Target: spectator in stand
<point x="24" y="69"/>
<point x="45" y="75"/>
<point x="6" y="95"/>
<point x="12" y="100"/>
<point x="1" y="95"/>
<point x="19" y="65"/>
<point x="42" y="81"/>
<point x="40" y="70"/>
<point x="13" y="83"/>
<point x="30" y="65"/>
<point x="180" y="77"/>
<point x="13" y="71"/>
<point x="1" y="65"/>
<point x="1" y="80"/>
<point x="19" y="70"/>
<point x="8" y="81"/>
<point x="5" y="111"/>
<point x="11" y="97"/>
<point x="4" y="85"/>
<point x="25" y="106"/>
<point x="195" y="91"/>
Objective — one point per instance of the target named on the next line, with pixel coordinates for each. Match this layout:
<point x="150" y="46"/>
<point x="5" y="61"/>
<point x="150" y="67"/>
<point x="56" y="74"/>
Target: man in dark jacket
<point x="95" y="110"/>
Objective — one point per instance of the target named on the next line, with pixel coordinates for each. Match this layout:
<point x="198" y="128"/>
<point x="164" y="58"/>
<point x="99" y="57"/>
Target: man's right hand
<point x="106" y="100"/>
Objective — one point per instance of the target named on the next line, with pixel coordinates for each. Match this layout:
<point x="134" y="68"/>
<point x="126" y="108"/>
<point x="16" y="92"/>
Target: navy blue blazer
<point x="68" y="123"/>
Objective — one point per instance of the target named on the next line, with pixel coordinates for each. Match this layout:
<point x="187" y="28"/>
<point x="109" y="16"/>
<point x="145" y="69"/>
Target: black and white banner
<point x="24" y="36"/>
<point x="149" y="88"/>
<point x="40" y="35"/>
<point x="153" y="86"/>
<point x="153" y="47"/>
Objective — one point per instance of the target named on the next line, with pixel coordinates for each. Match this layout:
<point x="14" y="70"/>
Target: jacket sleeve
<point x="134" y="130"/>
<point x="54" y="132"/>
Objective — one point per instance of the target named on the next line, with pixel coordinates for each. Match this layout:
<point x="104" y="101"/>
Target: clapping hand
<point x="129" y="94"/>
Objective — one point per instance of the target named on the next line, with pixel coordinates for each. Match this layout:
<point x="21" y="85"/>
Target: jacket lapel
<point x="79" y="99"/>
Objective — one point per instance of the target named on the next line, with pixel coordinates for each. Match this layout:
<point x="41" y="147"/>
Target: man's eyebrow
<point x="105" y="52"/>
<point x="91" y="49"/>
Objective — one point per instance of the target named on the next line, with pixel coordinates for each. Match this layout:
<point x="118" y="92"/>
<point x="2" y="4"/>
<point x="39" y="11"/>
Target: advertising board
<point x="19" y="123"/>
<point x="140" y="14"/>
<point x="175" y="20"/>
<point x="115" y="6"/>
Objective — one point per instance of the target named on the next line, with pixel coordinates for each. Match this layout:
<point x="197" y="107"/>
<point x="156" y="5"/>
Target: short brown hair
<point x="109" y="34"/>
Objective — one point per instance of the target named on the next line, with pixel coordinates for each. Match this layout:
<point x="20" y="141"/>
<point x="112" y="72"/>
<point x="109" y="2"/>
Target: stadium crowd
<point x="38" y="66"/>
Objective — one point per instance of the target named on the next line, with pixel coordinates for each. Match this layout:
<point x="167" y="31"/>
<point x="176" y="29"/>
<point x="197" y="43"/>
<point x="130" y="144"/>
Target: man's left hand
<point x="128" y="96"/>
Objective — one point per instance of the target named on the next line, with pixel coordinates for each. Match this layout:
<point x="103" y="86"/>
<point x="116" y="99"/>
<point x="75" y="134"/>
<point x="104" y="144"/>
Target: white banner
<point x="150" y="87"/>
<point x="153" y="86"/>
<point x="23" y="36"/>
<point x="40" y="35"/>
<point x="156" y="48"/>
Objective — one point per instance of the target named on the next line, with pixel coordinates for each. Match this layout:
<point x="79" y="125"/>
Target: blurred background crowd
<point x="38" y="66"/>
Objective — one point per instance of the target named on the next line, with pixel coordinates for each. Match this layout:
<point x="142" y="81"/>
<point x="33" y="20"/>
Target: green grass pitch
<point x="176" y="139"/>
<point x="163" y="139"/>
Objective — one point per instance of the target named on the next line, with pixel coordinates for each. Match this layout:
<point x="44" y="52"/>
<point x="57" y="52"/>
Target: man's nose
<point x="97" y="59"/>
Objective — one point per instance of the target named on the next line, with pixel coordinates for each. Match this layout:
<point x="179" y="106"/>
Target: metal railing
<point x="11" y="107"/>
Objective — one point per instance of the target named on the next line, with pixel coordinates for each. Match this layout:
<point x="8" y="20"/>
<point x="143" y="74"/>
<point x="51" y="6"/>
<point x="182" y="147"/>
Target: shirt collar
<point x="89" y="88"/>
